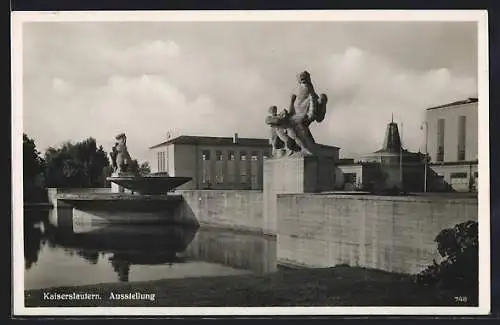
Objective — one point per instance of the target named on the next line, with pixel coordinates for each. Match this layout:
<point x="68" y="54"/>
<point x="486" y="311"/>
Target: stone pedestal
<point x="290" y="175"/>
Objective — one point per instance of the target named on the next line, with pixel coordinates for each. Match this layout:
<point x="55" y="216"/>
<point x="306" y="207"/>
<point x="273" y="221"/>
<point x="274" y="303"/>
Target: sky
<point x="98" y="79"/>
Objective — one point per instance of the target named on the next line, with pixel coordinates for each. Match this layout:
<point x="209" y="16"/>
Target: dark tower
<point x="392" y="141"/>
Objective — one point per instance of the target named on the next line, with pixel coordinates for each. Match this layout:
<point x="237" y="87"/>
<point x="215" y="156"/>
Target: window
<point x="166" y="162"/>
<point x="461" y="137"/>
<point x="254" y="170"/>
<point x="475" y="174"/>
<point x="205" y="155"/>
<point x="160" y="157"/>
<point x="243" y="168"/>
<point x="205" y="167"/>
<point x="440" y="140"/>
<point x="440" y="154"/>
<point x="458" y="175"/>
<point x="231" y="167"/>
<point x="219" y="167"/>
<point x="243" y="174"/>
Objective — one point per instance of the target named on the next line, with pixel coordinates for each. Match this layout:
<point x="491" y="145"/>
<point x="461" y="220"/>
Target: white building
<point x="452" y="143"/>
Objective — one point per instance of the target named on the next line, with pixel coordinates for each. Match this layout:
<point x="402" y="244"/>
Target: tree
<point x="33" y="166"/>
<point x="141" y="169"/>
<point x="144" y="168"/>
<point x="76" y="165"/>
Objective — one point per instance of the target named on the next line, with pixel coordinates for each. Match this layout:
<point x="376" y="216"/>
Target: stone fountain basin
<point x="142" y="203"/>
<point x="150" y="184"/>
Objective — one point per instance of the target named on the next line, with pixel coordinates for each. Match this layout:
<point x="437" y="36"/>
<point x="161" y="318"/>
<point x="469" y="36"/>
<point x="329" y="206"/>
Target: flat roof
<point x="454" y="163"/>
<point x="223" y="141"/>
<point x="457" y="103"/>
<point x="215" y="141"/>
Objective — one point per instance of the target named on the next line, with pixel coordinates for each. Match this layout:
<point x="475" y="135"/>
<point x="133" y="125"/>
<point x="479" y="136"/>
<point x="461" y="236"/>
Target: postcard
<point x="250" y="163"/>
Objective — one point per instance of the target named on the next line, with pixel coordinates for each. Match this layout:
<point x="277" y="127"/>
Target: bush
<point x="458" y="271"/>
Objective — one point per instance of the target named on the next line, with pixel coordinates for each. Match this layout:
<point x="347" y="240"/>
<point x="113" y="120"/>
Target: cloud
<point x="104" y="80"/>
<point x="144" y="107"/>
<point x="368" y="89"/>
<point x="146" y="57"/>
<point x="61" y="86"/>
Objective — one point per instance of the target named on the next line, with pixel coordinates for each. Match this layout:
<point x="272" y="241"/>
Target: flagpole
<point x="401" y="158"/>
<point x="426" y="155"/>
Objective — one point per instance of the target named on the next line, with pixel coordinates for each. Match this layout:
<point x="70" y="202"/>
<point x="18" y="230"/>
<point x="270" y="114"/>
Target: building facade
<point x="221" y="162"/>
<point x="213" y="162"/>
<point x="390" y="168"/>
<point x="452" y="143"/>
<point x="356" y="176"/>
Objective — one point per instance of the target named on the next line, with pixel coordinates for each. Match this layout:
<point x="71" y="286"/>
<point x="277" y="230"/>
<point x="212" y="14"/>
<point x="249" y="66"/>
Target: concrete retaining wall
<point x="52" y="192"/>
<point x="388" y="233"/>
<point x="230" y="209"/>
<point x="321" y="230"/>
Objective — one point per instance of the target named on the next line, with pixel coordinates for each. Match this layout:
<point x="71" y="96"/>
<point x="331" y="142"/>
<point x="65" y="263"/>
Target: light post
<point x="426" y="154"/>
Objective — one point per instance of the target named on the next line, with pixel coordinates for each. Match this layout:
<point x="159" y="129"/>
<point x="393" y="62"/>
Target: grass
<point x="337" y="286"/>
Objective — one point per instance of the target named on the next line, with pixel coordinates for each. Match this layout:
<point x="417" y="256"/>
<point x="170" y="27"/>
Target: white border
<point x="479" y="16"/>
<point x="484" y="164"/>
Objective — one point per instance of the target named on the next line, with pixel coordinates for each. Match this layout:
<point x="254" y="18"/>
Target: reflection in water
<point x="239" y="250"/>
<point x="33" y="236"/>
<point x="122" y="268"/>
<point x="64" y="254"/>
<point x="91" y="256"/>
<point x="126" y="244"/>
<point x="33" y="241"/>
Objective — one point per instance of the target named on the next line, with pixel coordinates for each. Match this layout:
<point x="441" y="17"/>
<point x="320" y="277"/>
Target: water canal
<point x="94" y="252"/>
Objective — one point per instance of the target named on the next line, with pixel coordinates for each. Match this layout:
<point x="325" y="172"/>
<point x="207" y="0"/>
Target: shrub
<point x="458" y="271"/>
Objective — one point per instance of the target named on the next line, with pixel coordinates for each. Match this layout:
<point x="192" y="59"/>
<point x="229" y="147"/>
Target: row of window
<point x="161" y="161"/>
<point x="462" y="121"/>
<point x="244" y="176"/>
<point x="231" y="155"/>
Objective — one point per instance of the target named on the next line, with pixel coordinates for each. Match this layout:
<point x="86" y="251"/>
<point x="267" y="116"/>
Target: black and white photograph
<point x="220" y="163"/>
